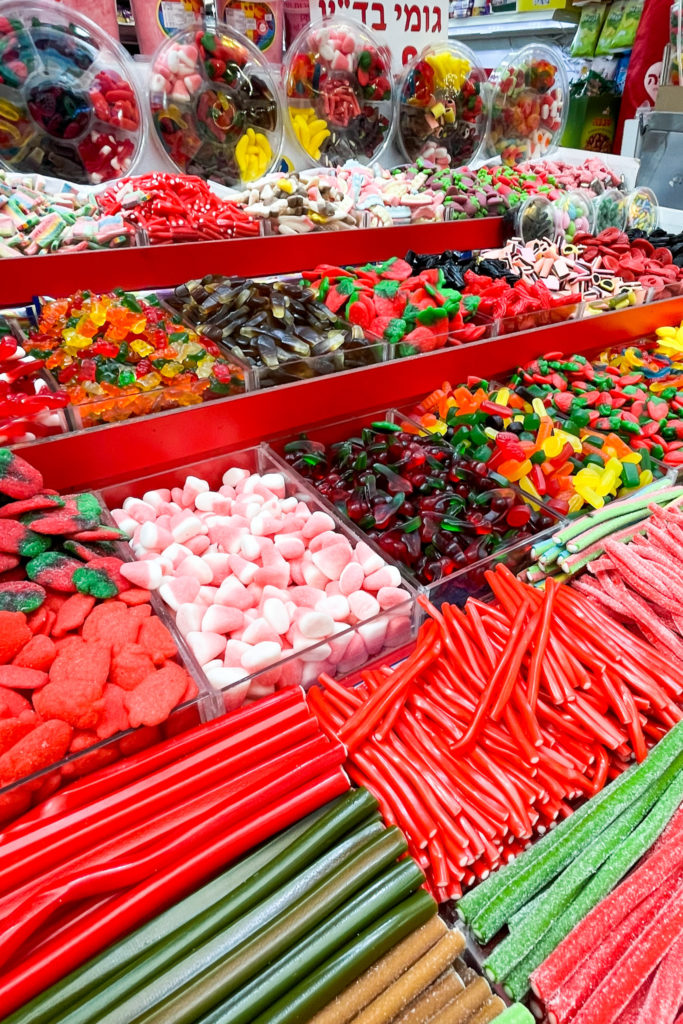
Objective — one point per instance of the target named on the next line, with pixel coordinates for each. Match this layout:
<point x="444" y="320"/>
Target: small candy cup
<point x="442" y="112"/>
<point x="642" y="210"/>
<point x="340" y="93"/>
<point x="574" y="212"/>
<point x="214" y="105"/>
<point x="70" y="107"/>
<point x="529" y="97"/>
<point x="611" y="210"/>
<point x="536" y="219"/>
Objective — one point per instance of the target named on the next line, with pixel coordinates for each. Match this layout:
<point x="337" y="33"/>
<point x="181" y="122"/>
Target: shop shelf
<point x="349" y="648"/>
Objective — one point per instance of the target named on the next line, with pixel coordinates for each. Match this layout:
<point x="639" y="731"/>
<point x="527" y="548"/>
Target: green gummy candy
<point x="490" y="905"/>
<point x="516" y="1014"/>
<point x="88" y="506"/>
<point x="53" y="569"/>
<point x="602" y="883"/>
<point x="33" y="544"/>
<point x="95" y="582"/>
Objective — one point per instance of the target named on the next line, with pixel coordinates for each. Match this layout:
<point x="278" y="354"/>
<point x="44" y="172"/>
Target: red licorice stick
<point x="115" y="776"/>
<point x="587" y="975"/>
<point x="664" y="861"/>
<point x="133" y="908"/>
<point x="606" y="1002"/>
<point x="345" y="693"/>
<point x="50" y="844"/>
<point x="398" y="781"/>
<point x="271" y="781"/>
<point x="363" y="721"/>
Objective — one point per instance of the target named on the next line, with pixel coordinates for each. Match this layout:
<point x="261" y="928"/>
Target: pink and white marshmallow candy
<point x="254" y="576"/>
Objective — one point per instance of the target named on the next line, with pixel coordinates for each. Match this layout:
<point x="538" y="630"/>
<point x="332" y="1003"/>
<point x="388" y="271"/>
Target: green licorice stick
<point x="324" y="827"/>
<point x="219" y="967"/>
<point x="122" y="996"/>
<point x="332" y="977"/>
<point x="527" y="932"/>
<point x="572" y="563"/>
<point x="280" y="977"/>
<point x="516" y="1014"/>
<point x="604" y="530"/>
<point x="616" y="509"/>
<point x="602" y="883"/>
<point x="494" y="900"/>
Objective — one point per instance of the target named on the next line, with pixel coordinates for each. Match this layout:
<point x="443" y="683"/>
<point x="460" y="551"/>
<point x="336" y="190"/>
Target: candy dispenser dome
<point x="214" y="105"/>
<point x="442" y="110"/>
<point x="69" y="106"/>
<point x="339" y="92"/>
<point x="529" y="97"/>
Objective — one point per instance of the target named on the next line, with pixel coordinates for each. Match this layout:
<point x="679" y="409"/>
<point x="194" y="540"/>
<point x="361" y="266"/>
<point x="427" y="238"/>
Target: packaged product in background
<point x="645" y="65"/>
<point x="588" y="32"/>
<point x="676" y="41"/>
<point x="156" y="19"/>
<point x="593" y="114"/>
<point x="610" y="28"/>
<point x="630" y="19"/>
<point x="296" y="17"/>
<point x="261" y="21"/>
<point x="103" y="12"/>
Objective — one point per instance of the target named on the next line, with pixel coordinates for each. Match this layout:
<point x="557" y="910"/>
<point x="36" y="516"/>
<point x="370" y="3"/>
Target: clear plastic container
<point x="536" y="219"/>
<point x="351" y="646"/>
<point x="272" y="359"/>
<point x="339" y="93"/>
<point x="442" y="110"/>
<point x="529" y="97"/>
<point x="70" y="106"/>
<point x="642" y="210"/>
<point x="214" y="105"/>
<point x="575" y="213"/>
<point x="18" y="797"/>
<point x="611" y="210"/>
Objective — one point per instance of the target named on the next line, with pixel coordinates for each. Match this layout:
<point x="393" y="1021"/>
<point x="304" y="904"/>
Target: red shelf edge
<point x="60" y="274"/>
<point x="106" y="455"/>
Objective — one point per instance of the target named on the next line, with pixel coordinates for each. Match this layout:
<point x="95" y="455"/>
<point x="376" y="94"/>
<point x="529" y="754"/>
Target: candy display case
<point x="441" y="109"/>
<point x="214" y="105"/>
<point x="274" y="326"/>
<point x="109" y="379"/>
<point x="529" y="97"/>
<point x="244" y="669"/>
<point x="575" y="213"/>
<point x="31" y="404"/>
<point x="339" y="93"/>
<point x="441" y="517"/>
<point x="538" y="318"/>
<point x="71" y="107"/>
<point x="536" y="219"/>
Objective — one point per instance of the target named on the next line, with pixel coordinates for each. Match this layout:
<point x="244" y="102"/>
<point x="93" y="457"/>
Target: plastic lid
<point x="642" y="210"/>
<point x="536" y="219"/>
<point x="214" y="105"/>
<point x="69" y="106"/>
<point x="442" y="113"/>
<point x="610" y="210"/>
<point x="340" y="93"/>
<point x="529" y="98"/>
<point x="574" y="213"/>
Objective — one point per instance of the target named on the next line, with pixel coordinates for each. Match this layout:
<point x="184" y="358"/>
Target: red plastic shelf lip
<point x="102" y="456"/>
<point x="60" y="274"/>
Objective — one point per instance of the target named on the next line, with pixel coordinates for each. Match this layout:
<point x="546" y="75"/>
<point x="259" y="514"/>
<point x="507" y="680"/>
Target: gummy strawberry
<point x="44" y="745"/>
<point x="13" y="509"/>
<point x="20" y="596"/>
<point x="100" y="578"/>
<point x="83" y="512"/>
<point x="18" y="479"/>
<point x="17" y="539"/>
<point x="51" y="569"/>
